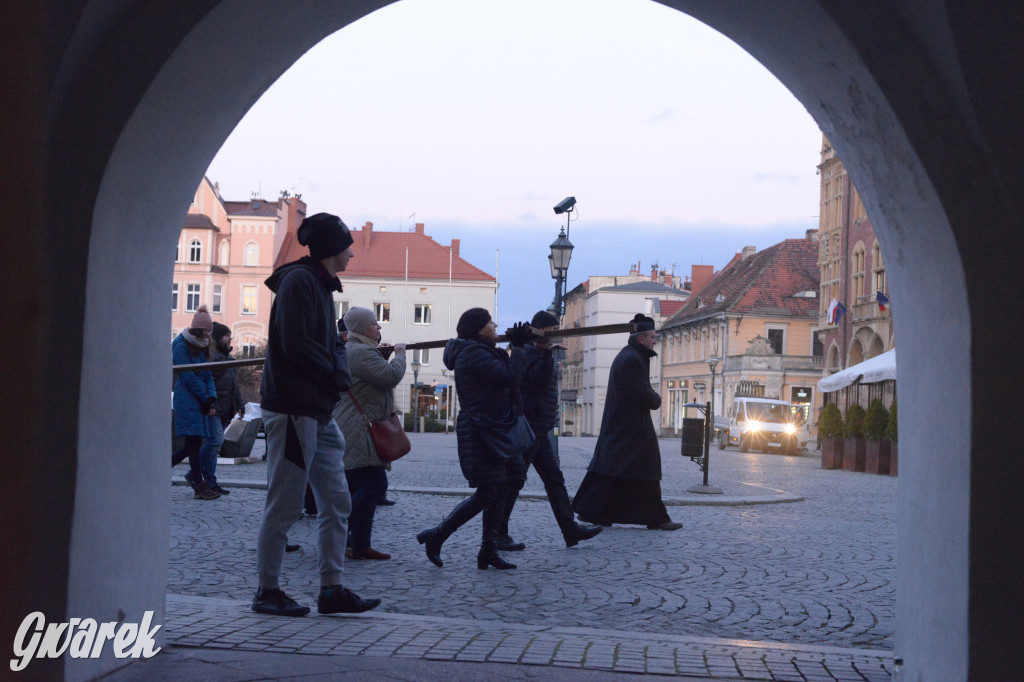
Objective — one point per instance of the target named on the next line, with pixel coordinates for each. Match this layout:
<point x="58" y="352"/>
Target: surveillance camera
<point x="565" y="204"/>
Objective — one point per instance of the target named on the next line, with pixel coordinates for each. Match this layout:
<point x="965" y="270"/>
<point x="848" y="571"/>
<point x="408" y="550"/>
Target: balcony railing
<point x="865" y="308"/>
<point x="739" y="363"/>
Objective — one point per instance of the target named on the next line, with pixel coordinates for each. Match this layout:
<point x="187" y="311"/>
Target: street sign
<point x="699" y="385"/>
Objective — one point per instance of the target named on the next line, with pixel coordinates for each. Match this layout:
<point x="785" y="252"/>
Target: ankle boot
<point x="492" y="518"/>
<point x="433" y="538"/>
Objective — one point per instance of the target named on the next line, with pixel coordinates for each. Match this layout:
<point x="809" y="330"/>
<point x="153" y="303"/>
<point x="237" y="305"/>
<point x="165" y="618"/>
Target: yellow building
<point x="759" y="317"/>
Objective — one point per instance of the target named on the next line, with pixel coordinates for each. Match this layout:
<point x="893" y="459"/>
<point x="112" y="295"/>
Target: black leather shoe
<point x="582" y="533"/>
<point x="291" y="548"/>
<point x="217" y="489"/>
<point x="385" y="503"/>
<point x="337" y="599"/>
<point x="668" y="525"/>
<point x="431" y="541"/>
<point x="507" y="544"/>
<point x="275" y="602"/>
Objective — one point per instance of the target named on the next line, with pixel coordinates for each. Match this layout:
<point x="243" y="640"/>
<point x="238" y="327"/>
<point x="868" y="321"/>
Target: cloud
<point x="790" y="178"/>
<point x="665" y="115"/>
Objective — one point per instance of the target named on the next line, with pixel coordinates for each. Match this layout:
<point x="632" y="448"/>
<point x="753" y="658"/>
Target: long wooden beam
<point x="598" y="330"/>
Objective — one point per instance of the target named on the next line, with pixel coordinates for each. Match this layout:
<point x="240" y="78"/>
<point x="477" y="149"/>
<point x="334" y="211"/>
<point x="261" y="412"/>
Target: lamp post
<point x="561" y="253"/>
<point x="709" y="429"/>
<point x="415" y="364"/>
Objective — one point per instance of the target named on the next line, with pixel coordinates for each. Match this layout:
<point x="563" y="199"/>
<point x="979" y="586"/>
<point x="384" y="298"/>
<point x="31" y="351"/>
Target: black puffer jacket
<point x="487" y="383"/>
<point x="229" y="395"/>
<point x="539" y="388"/>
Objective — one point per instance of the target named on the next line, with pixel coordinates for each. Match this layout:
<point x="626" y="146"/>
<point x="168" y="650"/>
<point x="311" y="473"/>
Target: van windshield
<point x="768" y="412"/>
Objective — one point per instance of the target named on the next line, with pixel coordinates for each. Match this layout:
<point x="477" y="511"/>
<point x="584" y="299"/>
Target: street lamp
<point x="558" y="260"/>
<point x="415" y="364"/>
<point x="712" y="363"/>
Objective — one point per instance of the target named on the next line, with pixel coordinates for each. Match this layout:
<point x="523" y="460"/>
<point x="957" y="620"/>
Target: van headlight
<point x="790" y="429"/>
<point x="754" y="426"/>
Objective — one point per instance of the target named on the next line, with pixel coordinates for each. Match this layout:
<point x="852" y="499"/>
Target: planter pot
<point x="854" y="453"/>
<point x="893" y="457"/>
<point x="832" y="452"/>
<point x="878" y="457"/>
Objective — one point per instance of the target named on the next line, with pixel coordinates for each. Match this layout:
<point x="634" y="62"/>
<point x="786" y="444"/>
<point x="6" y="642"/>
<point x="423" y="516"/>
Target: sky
<point x="476" y="117"/>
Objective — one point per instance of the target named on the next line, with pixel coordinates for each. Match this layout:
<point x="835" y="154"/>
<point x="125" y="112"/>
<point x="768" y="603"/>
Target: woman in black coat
<point x="487" y="384"/>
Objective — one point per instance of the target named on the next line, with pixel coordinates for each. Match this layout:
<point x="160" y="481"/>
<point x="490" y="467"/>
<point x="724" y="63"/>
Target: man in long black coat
<point x="623" y="481"/>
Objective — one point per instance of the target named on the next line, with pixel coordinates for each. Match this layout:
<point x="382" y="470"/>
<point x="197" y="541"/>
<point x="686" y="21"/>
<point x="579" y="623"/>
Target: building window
<point x="383" y="311"/>
<point x="857" y="268"/>
<point x="252" y="254"/>
<point x="195" y="251"/>
<point x="177" y="252"/>
<point x="878" y="268"/>
<point x="192" y="292"/>
<point x="340" y="308"/>
<point x="249" y="297"/>
<point x="421" y="314"/>
<point x="776" y="339"/>
<point x="174" y="297"/>
<point x="817" y="348"/>
<point x="422" y="356"/>
<point x="218" y="290"/>
<point x="225" y="254"/>
<point x="248" y="346"/>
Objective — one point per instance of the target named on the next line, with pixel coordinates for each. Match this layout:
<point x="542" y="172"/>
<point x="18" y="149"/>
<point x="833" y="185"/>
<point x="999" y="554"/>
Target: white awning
<point x="879" y="368"/>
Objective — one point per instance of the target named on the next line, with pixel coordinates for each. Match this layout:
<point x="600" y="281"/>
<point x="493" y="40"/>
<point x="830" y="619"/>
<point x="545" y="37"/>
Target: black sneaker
<point x="217" y="489"/>
<point x="274" y="602"/>
<point x="337" y="599"/>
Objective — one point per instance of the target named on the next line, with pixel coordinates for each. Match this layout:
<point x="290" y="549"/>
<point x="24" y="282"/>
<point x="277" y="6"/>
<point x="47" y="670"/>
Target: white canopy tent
<point x="879" y="368"/>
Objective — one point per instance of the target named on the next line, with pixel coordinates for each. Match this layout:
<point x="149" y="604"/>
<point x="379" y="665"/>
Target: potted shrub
<point x="877" y="452"/>
<point x="855" y="448"/>
<point x="830" y="428"/>
<point x="893" y="434"/>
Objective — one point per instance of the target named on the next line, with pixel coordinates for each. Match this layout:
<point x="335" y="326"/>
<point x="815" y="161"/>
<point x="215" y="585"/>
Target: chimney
<point x="812" y="235"/>
<point x="419" y="228"/>
<point x="455" y="247"/>
<point x="367" y="234"/>
<point x="748" y="251"/>
<point x="634" y="270"/>
<point x="702" y="274"/>
<point x="654" y="273"/>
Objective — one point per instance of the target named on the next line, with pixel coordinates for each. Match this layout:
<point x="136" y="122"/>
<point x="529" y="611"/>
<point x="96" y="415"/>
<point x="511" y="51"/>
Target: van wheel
<point x="744" y="444"/>
<point x="722" y="439"/>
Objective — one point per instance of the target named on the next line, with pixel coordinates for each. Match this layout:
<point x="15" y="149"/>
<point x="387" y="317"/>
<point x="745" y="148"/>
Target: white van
<point x="763" y="424"/>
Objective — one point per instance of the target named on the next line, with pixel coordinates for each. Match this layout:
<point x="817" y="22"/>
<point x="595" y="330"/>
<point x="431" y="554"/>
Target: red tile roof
<point x="669" y="307"/>
<point x="385" y="257"/>
<point x="763" y="284"/>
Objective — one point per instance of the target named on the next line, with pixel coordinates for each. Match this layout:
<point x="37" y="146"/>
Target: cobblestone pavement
<point x="815" y="575"/>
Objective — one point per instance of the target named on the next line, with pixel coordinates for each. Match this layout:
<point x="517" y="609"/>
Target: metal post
<point x="709" y="427"/>
<point x="415" y="401"/>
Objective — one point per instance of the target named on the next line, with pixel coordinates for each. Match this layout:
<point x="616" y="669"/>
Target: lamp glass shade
<point x="415" y="364"/>
<point x="561" y="253"/>
<point x="551" y="264"/>
<point x="712" y="363"/>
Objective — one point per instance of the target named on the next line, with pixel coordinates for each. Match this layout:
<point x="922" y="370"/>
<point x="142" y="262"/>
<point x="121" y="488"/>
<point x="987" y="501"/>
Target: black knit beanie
<point x="219" y="330"/>
<point x="471" y="322"/>
<point x="543" y="319"/>
<point x="325" y="235"/>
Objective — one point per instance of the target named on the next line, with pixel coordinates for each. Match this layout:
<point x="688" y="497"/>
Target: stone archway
<point x="911" y="118"/>
<point x="856" y="353"/>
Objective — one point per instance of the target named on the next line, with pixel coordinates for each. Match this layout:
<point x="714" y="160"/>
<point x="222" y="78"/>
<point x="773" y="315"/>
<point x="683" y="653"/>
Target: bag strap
<point x="356" y="403"/>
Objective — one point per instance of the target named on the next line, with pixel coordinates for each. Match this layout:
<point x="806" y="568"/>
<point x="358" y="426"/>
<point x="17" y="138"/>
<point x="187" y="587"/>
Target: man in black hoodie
<point x="539" y="391"/>
<point x="305" y="372"/>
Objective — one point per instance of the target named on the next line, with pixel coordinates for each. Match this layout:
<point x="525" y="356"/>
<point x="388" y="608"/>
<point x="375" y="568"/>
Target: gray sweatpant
<point x="293" y="442"/>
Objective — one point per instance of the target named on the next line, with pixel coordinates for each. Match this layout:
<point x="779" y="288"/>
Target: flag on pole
<point x="882" y="300"/>
<point x="836" y="310"/>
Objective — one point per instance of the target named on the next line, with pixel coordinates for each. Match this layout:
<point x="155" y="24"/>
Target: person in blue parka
<point x="194" y="398"/>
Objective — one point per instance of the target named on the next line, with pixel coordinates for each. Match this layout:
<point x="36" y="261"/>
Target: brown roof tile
<point x="260" y="208"/>
<point x="199" y="221"/>
<point x="763" y="284"/>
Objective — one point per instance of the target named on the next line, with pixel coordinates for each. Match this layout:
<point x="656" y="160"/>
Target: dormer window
<point x="806" y="294"/>
<point x="720" y="298"/>
<point x="700" y="303"/>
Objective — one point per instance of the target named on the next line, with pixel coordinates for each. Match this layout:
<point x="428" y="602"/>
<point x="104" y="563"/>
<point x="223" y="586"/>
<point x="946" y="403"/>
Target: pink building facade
<point x="225" y="252"/>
